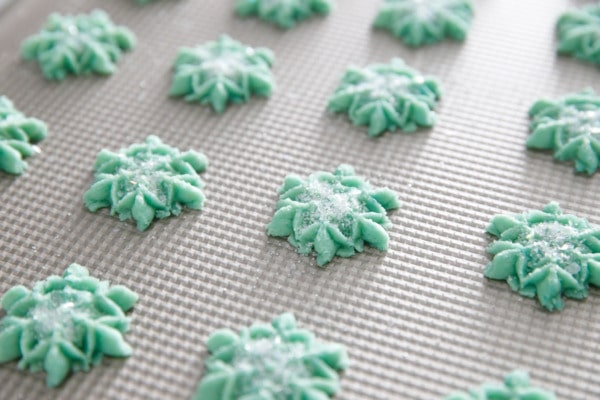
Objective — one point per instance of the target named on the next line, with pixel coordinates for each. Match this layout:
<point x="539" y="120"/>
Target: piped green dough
<point x="78" y="44"/>
<point x="386" y="97"/>
<point x="333" y="214"/>
<point x="422" y="22"/>
<point x="17" y="134"/>
<point x="579" y="33"/>
<point x="222" y="72"/>
<point x="516" y="386"/>
<point x="147" y="181"/>
<point x="283" y="13"/>
<point x="65" y="323"/>
<point x="545" y="254"/>
<point x="271" y="361"/>
<point x="570" y="126"/>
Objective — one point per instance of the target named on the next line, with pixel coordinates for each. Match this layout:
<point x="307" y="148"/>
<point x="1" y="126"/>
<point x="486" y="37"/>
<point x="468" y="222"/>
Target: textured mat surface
<point x="419" y="321"/>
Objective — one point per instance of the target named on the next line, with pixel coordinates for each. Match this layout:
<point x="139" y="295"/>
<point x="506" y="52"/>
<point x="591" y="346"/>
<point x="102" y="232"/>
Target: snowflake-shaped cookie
<point x="147" y="181"/>
<point x="571" y="127"/>
<point x="420" y="22"/>
<point x="283" y="13"/>
<point x="545" y="254"/>
<point x="65" y="323"/>
<point x="271" y="362"/>
<point x="579" y="33"/>
<point x="516" y="386"/>
<point x="332" y="214"/>
<point x="17" y="132"/>
<point x="223" y="71"/>
<point x="387" y="97"/>
<point x="78" y="44"/>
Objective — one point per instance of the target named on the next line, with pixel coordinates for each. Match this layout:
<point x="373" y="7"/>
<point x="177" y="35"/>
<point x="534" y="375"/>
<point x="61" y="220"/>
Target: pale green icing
<point x="570" y="126"/>
<point x="421" y="22"/>
<point x="221" y="72"/>
<point x="147" y="181"/>
<point x="275" y="361"/>
<point x="386" y="97"/>
<point x="516" y="386"/>
<point x="283" y="13"/>
<point x="17" y="133"/>
<point x="78" y="44"/>
<point x="65" y="324"/>
<point x="546" y="254"/>
<point x="333" y="214"/>
<point x="579" y="33"/>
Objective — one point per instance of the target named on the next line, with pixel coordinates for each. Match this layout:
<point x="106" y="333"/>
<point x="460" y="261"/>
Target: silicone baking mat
<point x="418" y="321"/>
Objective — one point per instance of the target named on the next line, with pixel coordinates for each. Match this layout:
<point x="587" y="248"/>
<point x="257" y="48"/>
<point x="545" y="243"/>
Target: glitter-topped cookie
<point x="516" y="386"/>
<point x="570" y="126"/>
<point x="421" y="22"/>
<point x="386" y="97"/>
<point x="579" y="33"/>
<point x="333" y="214"/>
<point x="222" y="72"/>
<point x="17" y="133"/>
<point x="147" y="181"/>
<point x="268" y="362"/>
<point x="283" y="13"/>
<point x="65" y="323"/>
<point x="78" y="44"/>
<point x="546" y="254"/>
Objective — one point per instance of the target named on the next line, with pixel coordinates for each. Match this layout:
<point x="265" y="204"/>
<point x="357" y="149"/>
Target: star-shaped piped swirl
<point x="283" y="13"/>
<point x="17" y="133"/>
<point x="546" y="254"/>
<point x="147" y="181"/>
<point x="421" y="22"/>
<point x="65" y="323"/>
<point x="571" y="127"/>
<point x="332" y="214"/>
<point x="275" y="361"/>
<point x="78" y="44"/>
<point x="579" y="33"/>
<point x="516" y="386"/>
<point x="222" y="72"/>
<point x="386" y="97"/>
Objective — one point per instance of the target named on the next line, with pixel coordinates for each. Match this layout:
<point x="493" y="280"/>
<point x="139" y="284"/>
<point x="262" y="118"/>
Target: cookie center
<point x="331" y="203"/>
<point x="269" y="365"/>
<point x="386" y="87"/>
<point x="59" y="314"/>
<point x="145" y="170"/>
<point x="580" y="122"/>
<point x="552" y="242"/>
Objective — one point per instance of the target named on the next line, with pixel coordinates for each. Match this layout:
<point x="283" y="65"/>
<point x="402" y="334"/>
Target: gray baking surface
<point x="420" y="320"/>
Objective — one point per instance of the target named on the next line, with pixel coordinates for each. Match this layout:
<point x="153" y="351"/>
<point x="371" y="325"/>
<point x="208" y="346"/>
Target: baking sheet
<point x="420" y="320"/>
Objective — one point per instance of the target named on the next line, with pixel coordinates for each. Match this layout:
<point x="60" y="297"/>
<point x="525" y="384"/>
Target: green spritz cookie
<point x="386" y="97"/>
<point x="333" y="214"/>
<point x="516" y="386"/>
<point x="65" y="323"/>
<point x="147" y="181"/>
<point x="17" y="133"/>
<point x="283" y="13"/>
<point x="579" y="33"/>
<point x="421" y="22"/>
<point x="271" y="362"/>
<point x="545" y="254"/>
<point x="78" y="44"/>
<point x="571" y="127"/>
<point x="223" y="71"/>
